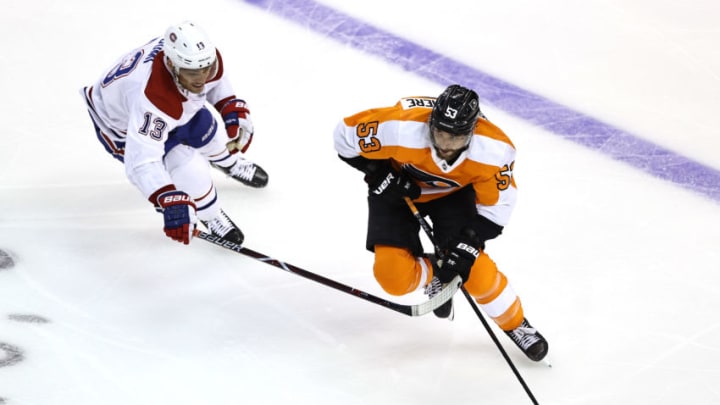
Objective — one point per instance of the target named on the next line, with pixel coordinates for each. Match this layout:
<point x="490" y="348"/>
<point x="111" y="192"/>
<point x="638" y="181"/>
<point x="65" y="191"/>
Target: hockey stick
<point x="429" y="232"/>
<point x="410" y="310"/>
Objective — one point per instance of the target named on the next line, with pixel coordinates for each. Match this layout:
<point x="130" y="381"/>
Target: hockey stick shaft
<point x="410" y="310"/>
<point x="429" y="232"/>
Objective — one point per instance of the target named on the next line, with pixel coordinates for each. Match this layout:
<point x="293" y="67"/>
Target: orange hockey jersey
<point x="401" y="133"/>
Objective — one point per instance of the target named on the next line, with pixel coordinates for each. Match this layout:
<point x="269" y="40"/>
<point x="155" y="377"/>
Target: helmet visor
<point x="208" y="72"/>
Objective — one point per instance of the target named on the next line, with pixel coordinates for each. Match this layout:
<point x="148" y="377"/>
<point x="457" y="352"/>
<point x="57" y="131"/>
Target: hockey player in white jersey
<point x="150" y="111"/>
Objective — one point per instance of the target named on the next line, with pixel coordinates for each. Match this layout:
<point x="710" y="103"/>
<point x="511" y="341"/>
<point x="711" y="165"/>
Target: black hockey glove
<point x="393" y="186"/>
<point x="460" y="256"/>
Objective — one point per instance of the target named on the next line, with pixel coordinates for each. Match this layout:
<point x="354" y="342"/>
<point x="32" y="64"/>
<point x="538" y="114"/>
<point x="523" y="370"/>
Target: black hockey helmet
<point x="456" y="110"/>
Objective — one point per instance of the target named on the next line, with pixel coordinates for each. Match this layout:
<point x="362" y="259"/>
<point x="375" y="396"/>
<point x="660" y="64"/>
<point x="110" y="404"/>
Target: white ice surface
<point x="618" y="269"/>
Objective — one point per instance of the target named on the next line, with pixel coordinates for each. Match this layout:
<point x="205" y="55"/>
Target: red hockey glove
<point x="178" y="210"/>
<point x="238" y="125"/>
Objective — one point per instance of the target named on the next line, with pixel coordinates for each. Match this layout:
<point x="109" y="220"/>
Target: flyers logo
<point x="430" y="180"/>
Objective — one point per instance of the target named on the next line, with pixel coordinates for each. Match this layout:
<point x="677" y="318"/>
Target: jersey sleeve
<point x="382" y="133"/>
<point x="496" y="194"/>
<point x="494" y="203"/>
<point x="344" y="137"/>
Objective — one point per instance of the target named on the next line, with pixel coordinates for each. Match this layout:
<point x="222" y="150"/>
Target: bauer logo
<point x="384" y="185"/>
<point x="176" y="198"/>
<point x="210" y="132"/>
<point x="220" y="241"/>
<point x="468" y="248"/>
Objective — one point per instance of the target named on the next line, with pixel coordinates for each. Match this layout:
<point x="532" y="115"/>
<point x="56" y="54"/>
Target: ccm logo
<point x="175" y="198"/>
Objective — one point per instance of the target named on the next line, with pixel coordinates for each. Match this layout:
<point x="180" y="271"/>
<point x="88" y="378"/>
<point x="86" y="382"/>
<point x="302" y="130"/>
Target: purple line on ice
<point x="553" y="117"/>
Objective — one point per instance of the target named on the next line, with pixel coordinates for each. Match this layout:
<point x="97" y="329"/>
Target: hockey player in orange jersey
<point x="457" y="167"/>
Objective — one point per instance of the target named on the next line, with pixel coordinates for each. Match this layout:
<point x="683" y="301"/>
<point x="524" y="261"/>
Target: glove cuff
<point x="175" y="197"/>
<point x="155" y="196"/>
<point x="234" y="104"/>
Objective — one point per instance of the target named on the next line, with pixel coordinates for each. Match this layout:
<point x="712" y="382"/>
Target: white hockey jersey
<point x="141" y="113"/>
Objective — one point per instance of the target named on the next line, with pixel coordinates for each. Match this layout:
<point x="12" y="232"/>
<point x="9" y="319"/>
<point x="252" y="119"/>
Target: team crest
<point x="429" y="179"/>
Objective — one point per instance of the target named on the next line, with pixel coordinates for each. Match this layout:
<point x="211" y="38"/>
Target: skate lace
<point x="524" y="335"/>
<point x="244" y="170"/>
<point x="220" y="225"/>
<point x="433" y="288"/>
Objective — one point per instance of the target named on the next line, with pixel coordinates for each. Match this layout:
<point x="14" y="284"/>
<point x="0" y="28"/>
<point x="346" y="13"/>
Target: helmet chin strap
<point x="174" y="71"/>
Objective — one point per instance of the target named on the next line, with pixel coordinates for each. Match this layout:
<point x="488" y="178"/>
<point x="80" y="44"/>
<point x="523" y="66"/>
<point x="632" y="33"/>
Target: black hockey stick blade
<point x="411" y="309"/>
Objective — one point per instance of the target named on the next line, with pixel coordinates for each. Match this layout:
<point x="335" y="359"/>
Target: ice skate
<point x="529" y="340"/>
<point x="446" y="310"/>
<point x="433" y="288"/>
<point x="246" y="172"/>
<point x="223" y="227"/>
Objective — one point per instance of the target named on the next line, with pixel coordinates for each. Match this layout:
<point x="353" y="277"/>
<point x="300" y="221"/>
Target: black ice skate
<point x="529" y="340"/>
<point x="223" y="227"/>
<point x="446" y="310"/>
<point x="246" y="172"/>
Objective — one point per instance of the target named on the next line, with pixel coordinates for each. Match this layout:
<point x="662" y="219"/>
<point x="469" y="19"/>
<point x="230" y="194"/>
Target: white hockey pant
<point x="190" y="172"/>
